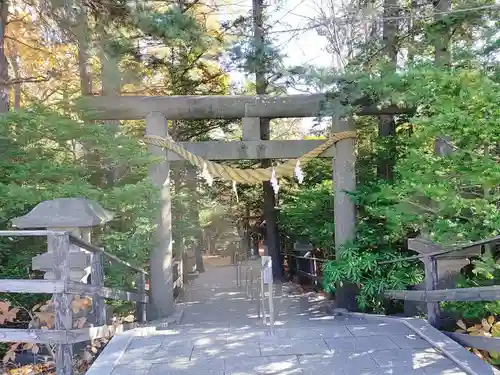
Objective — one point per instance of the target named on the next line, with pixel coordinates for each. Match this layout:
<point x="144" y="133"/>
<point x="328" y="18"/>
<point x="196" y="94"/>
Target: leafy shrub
<point x="308" y="212"/>
<point x="379" y="237"/>
<point x="486" y="272"/>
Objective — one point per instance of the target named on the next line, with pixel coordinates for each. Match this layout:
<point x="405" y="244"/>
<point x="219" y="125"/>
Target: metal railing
<point x="264" y="277"/>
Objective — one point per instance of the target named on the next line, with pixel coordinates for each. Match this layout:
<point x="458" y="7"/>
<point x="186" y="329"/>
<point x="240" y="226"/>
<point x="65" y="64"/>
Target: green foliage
<point x="380" y="237"/>
<point x="359" y="266"/>
<point x="316" y="171"/>
<point x="309" y="213"/>
<point x="448" y="192"/>
<point x="42" y="157"/>
<point x="173" y="25"/>
<point x="486" y="272"/>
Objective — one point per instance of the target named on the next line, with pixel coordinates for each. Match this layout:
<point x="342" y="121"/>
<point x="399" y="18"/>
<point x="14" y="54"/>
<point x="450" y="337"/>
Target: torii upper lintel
<point x="197" y="107"/>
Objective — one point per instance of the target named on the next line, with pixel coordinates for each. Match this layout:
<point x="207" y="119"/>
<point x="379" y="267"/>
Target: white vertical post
<point x="261" y="296"/>
<point x="161" y="257"/>
<point x="267" y="278"/>
<point x="251" y="284"/>
<point x="240" y="278"/>
<point x="246" y="282"/>
<point x="237" y="263"/>
<point x="271" y="304"/>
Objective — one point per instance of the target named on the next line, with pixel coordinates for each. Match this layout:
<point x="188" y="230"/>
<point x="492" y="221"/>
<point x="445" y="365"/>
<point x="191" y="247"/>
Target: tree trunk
<point x="411" y="42"/>
<point x="14" y="62"/>
<point x="177" y="217"/>
<point x="81" y="33"/>
<point x="442" y="58"/>
<point x="83" y="40"/>
<point x="270" y="214"/>
<point x="4" y="65"/>
<point x="111" y="86"/>
<point x="387" y="126"/>
<point x="442" y="54"/>
<point x="246" y="232"/>
<point x="192" y="183"/>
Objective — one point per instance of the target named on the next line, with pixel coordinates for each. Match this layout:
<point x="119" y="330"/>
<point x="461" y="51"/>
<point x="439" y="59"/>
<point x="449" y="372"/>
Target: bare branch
<point x="37" y="79"/>
<point x="26" y="45"/>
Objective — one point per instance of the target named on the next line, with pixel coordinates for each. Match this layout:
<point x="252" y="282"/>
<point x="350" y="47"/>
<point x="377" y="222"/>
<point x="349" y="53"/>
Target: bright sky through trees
<point x="290" y="21"/>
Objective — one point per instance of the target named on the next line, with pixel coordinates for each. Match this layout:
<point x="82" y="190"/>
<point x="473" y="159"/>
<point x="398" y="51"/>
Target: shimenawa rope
<point x="248" y="176"/>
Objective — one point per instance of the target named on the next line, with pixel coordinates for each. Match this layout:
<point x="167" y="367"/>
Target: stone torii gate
<point x="158" y="110"/>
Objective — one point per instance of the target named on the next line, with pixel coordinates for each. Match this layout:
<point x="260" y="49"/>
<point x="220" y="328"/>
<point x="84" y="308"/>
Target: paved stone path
<point x="221" y="334"/>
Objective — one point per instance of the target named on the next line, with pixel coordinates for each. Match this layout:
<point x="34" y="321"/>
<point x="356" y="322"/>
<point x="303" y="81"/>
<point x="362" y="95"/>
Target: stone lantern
<point x="76" y="215"/>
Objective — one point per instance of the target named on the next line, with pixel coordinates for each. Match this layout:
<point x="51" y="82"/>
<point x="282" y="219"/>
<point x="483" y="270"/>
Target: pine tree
<point x="256" y="54"/>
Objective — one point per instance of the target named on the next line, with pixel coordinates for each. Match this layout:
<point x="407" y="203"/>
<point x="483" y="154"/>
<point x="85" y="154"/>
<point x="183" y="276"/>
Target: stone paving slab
<point x="344" y="363"/>
<point x="221" y="334"/>
<point x="410" y="341"/>
<point x="235" y="349"/>
<point x="331" y="331"/>
<point x="359" y="344"/>
<point x="379" y="329"/>
<point x="212" y="366"/>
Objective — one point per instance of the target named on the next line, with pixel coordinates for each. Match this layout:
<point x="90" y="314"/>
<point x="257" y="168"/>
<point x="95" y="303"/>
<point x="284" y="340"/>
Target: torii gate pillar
<point x="160" y="264"/>
<point x="344" y="182"/>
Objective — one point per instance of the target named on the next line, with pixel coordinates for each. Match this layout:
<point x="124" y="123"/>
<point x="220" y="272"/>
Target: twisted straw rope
<point x="248" y="176"/>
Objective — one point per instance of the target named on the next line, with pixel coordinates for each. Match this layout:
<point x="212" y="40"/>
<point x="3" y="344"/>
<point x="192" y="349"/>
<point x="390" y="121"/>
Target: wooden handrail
<point x="30" y="233"/>
<point x="451" y="249"/>
<point x="311" y="258"/>
<point x="94" y="249"/>
<point x="483" y="293"/>
<point x="73" y="239"/>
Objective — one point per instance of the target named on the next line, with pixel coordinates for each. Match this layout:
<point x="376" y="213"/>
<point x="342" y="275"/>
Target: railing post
<point x="238" y="268"/>
<point x="181" y="271"/>
<point x="97" y="279"/>
<point x="141" y="290"/>
<point x="271" y="302"/>
<point x="251" y="284"/>
<point x="431" y="283"/>
<point x="59" y="244"/>
<point x="185" y="266"/>
<point x="240" y="277"/>
<point x="246" y="282"/>
<point x="258" y="301"/>
<point x="262" y="305"/>
<point x="315" y="272"/>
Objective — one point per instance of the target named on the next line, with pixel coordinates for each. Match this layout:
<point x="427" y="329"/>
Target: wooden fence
<point x="64" y="335"/>
<point x="300" y="261"/>
<point x="314" y="266"/>
<point x="431" y="254"/>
